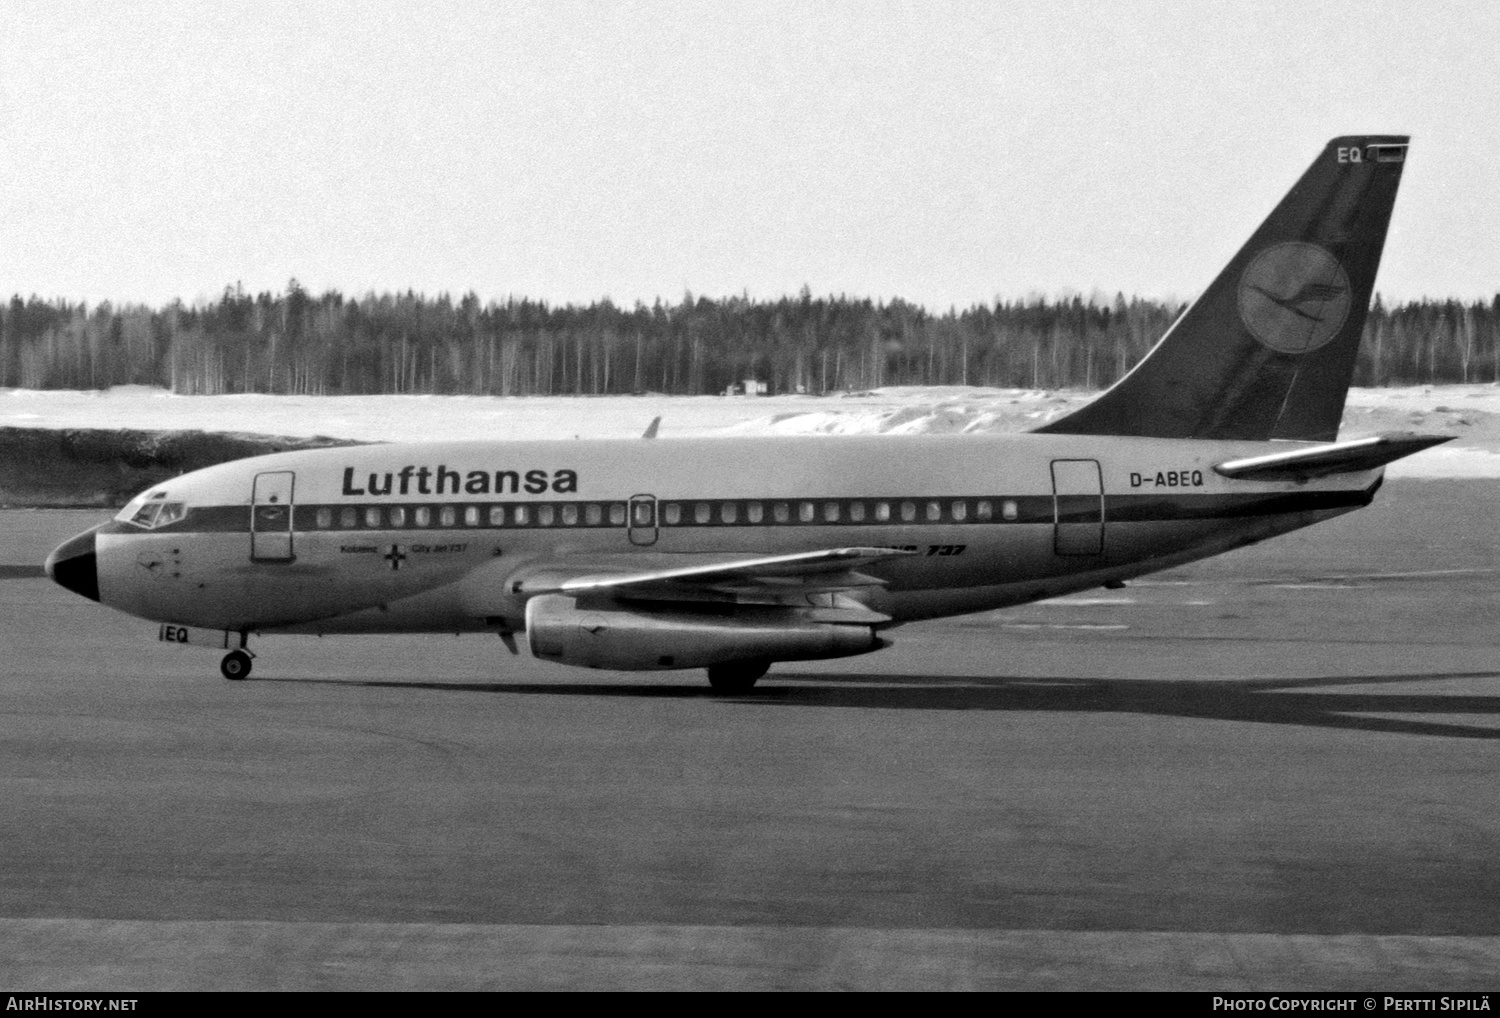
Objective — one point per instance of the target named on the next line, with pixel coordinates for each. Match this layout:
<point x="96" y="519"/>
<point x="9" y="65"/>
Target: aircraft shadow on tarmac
<point x="1267" y="701"/>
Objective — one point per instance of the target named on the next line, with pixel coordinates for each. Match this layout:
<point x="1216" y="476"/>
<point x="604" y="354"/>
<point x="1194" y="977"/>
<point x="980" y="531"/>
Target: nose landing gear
<point x="236" y="664"/>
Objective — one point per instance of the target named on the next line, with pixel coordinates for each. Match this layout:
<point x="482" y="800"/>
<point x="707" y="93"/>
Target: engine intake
<point x="643" y="639"/>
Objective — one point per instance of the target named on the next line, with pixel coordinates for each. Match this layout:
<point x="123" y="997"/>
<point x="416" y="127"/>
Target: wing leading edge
<point x="821" y="580"/>
<point x="800" y="569"/>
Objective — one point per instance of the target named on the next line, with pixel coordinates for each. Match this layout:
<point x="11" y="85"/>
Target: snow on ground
<point x="1471" y="412"/>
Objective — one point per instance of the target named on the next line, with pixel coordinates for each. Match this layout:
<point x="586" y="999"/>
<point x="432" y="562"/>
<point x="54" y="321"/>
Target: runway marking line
<point x="49" y="955"/>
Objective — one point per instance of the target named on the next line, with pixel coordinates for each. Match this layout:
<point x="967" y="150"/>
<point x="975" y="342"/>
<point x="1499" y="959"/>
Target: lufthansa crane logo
<point x="1294" y="297"/>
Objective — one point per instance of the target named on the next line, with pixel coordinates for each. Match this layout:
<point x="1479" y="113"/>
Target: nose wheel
<point x="236" y="665"/>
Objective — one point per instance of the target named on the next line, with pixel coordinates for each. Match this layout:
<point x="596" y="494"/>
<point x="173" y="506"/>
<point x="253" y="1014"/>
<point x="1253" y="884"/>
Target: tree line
<point x="300" y="343"/>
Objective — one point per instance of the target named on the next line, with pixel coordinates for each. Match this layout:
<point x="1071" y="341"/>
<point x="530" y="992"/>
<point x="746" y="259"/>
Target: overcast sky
<point x="944" y="153"/>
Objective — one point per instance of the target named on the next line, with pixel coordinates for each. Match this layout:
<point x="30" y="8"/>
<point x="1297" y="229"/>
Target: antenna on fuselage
<point x="651" y="428"/>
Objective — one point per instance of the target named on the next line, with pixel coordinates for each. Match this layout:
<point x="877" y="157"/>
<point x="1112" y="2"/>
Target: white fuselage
<point x="449" y="536"/>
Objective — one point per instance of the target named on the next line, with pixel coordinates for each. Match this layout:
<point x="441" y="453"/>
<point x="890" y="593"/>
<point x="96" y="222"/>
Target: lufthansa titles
<point x="424" y="480"/>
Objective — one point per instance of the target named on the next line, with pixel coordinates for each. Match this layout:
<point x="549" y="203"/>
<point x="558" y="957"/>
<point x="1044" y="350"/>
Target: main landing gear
<point x="236" y="665"/>
<point x="736" y="676"/>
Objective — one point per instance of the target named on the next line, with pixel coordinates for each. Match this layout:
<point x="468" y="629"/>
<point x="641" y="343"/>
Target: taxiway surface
<point x="1275" y="769"/>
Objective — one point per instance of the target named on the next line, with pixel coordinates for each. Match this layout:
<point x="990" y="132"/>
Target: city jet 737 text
<point x="731" y="554"/>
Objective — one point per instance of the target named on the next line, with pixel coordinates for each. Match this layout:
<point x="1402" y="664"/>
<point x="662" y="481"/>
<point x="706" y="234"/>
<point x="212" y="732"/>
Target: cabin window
<point x="372" y="517"/>
<point x="544" y="515"/>
<point x="447" y="516"/>
<point x="471" y="516"/>
<point x="701" y="512"/>
<point x="830" y="512"/>
<point x="908" y="511"/>
<point x="398" y="516"/>
<point x="960" y="511"/>
<point x="617" y="514"/>
<point x="348" y="518"/>
<point x="1009" y="510"/>
<point x="497" y="516"/>
<point x="857" y="512"/>
<point x="982" y="509"/>
<point x="781" y="511"/>
<point x="673" y="514"/>
<point x="934" y="511"/>
<point x="882" y="511"/>
<point x="806" y="512"/>
<point x="753" y="511"/>
<point x="421" y="516"/>
<point x="325" y="518"/>
<point x="570" y="515"/>
<point x="522" y="515"/>
<point x="729" y="512"/>
<point x="643" y="514"/>
<point x="593" y="514"/>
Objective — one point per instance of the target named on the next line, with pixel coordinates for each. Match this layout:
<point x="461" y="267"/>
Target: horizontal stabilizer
<point x="1337" y="458"/>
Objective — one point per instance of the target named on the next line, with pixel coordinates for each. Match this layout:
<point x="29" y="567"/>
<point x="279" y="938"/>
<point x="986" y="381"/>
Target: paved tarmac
<point x="1272" y="770"/>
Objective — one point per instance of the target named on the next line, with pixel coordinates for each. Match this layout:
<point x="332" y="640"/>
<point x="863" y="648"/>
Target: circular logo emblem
<point x="1294" y="297"/>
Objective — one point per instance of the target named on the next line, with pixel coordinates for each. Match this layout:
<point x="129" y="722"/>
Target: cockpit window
<point x="145" y="516"/>
<point x="171" y="512"/>
<point x="150" y="513"/>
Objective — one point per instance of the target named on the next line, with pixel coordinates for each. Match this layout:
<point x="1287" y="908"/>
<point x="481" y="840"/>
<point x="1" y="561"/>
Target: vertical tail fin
<point x="1268" y="350"/>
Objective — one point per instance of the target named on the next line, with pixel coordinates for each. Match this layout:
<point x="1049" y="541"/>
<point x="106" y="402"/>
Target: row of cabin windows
<point x="934" y="511"/>
<point x="594" y="514"/>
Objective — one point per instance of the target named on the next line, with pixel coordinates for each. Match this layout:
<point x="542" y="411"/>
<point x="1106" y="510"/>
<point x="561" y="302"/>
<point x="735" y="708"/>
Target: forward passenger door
<point x="271" y="517"/>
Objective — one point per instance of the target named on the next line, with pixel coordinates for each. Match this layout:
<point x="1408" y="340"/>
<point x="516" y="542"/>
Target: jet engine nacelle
<point x="643" y="639"/>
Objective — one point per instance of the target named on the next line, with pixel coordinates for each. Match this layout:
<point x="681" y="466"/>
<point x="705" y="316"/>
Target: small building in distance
<point x="749" y="387"/>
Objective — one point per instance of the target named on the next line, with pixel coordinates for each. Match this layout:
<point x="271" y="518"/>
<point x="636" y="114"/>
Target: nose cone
<point x="74" y="565"/>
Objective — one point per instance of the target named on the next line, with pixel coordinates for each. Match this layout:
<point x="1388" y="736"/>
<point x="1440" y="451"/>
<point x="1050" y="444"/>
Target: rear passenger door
<point x="1077" y="507"/>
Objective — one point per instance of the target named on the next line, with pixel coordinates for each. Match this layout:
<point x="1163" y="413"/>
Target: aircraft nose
<point x="74" y="565"/>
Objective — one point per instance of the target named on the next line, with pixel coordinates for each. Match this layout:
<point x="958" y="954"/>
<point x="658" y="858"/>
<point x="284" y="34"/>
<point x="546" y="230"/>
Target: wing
<point x="826" y="580"/>
<point x="1334" y="458"/>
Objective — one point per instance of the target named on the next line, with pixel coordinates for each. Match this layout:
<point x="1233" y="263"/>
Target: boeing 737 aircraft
<point x="733" y="553"/>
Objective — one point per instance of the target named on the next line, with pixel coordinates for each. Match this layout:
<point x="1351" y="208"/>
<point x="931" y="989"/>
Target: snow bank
<point x="1471" y="412"/>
